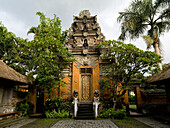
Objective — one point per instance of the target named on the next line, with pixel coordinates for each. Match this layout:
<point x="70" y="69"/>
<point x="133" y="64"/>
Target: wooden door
<point x="86" y="86"/>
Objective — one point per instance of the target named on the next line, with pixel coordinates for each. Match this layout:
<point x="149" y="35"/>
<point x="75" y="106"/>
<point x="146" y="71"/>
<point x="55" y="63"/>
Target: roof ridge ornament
<point x="84" y="13"/>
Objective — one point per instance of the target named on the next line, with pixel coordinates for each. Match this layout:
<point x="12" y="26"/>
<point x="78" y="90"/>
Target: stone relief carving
<point x="71" y="31"/>
<point x="84" y="27"/>
<point x="85" y="88"/>
<point x="85" y="51"/>
<point x="95" y="18"/>
<point x="85" y="45"/>
<point x="84" y="19"/>
<point x="84" y="13"/>
<point x="96" y="25"/>
<point x="89" y="26"/>
<point x="85" y="61"/>
<point x="81" y="26"/>
<point x="79" y="41"/>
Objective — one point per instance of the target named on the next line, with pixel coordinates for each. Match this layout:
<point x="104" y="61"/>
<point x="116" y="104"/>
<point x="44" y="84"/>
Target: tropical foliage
<point x="112" y="114"/>
<point x="11" y="48"/>
<point x="146" y="15"/>
<point x="42" y="59"/>
<point x="54" y="114"/>
<point x="57" y="104"/>
<point x="126" y="62"/>
<point x="48" y="54"/>
<point x="56" y="108"/>
<point x="24" y="106"/>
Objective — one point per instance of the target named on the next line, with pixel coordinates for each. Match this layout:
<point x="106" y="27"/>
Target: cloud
<point x="20" y="15"/>
<point x="14" y="25"/>
<point x="165" y="47"/>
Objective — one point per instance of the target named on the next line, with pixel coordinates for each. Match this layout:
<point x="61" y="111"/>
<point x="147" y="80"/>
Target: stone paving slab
<point x="84" y="124"/>
<point x="152" y="122"/>
<point x="19" y="123"/>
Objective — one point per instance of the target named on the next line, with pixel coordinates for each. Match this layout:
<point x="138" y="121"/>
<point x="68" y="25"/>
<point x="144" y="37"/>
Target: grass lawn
<point x="130" y="123"/>
<point x="132" y="106"/>
<point x="41" y="123"/>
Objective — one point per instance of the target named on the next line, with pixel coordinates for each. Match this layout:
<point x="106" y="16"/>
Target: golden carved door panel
<point x="86" y="88"/>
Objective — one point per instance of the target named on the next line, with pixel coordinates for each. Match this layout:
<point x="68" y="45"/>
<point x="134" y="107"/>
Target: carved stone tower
<point x="82" y="40"/>
<point x="84" y="33"/>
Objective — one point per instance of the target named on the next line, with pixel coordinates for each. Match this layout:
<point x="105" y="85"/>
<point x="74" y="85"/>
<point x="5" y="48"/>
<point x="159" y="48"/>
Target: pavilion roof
<point x="161" y="76"/>
<point x="7" y="73"/>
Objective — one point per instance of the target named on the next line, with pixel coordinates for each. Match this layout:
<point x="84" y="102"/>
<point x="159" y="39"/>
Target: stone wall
<point x="6" y="93"/>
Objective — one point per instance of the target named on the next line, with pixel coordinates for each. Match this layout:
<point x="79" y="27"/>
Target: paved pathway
<point x="84" y="124"/>
<point x="152" y="122"/>
<point x="19" y="123"/>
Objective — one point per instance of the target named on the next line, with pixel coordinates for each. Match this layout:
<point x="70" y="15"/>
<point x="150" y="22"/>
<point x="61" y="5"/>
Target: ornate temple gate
<point x="84" y="73"/>
<point x="82" y="41"/>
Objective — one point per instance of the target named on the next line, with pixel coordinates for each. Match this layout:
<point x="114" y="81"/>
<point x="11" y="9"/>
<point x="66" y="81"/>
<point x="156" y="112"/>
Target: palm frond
<point x="134" y="19"/>
<point x="125" y="15"/>
<point x="163" y="26"/>
<point x="161" y="3"/>
<point x="140" y="16"/>
<point x="123" y="34"/>
<point x="149" y="41"/>
<point x="139" y="30"/>
<point x="164" y="15"/>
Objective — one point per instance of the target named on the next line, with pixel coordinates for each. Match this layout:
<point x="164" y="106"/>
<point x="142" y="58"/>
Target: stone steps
<point x="85" y="111"/>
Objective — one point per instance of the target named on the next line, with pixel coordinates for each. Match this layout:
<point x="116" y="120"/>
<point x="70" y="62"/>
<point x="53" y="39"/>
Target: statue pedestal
<point x="75" y="102"/>
<point x="96" y="104"/>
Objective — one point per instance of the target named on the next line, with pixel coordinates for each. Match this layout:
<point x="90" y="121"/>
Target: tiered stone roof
<point x="84" y="32"/>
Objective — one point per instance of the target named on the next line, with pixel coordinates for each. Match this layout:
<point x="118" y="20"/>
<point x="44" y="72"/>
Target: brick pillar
<point x="126" y="101"/>
<point x="46" y="96"/>
<point x="138" y="99"/>
<point x="32" y="98"/>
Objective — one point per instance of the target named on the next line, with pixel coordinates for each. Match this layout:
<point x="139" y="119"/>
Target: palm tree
<point x="146" y="15"/>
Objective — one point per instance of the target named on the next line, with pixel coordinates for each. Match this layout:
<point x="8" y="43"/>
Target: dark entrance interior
<point x="40" y="101"/>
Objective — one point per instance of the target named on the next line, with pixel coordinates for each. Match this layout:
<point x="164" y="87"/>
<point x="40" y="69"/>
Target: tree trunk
<point x="114" y="105"/>
<point x="157" y="51"/>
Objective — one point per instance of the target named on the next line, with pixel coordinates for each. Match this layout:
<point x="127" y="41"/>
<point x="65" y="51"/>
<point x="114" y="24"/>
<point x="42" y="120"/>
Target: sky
<point x="20" y="15"/>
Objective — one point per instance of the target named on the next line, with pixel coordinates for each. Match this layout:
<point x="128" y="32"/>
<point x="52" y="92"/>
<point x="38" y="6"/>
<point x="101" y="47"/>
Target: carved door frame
<point x="90" y="85"/>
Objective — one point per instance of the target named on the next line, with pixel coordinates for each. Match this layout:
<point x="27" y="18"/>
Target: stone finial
<point x="84" y="13"/>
